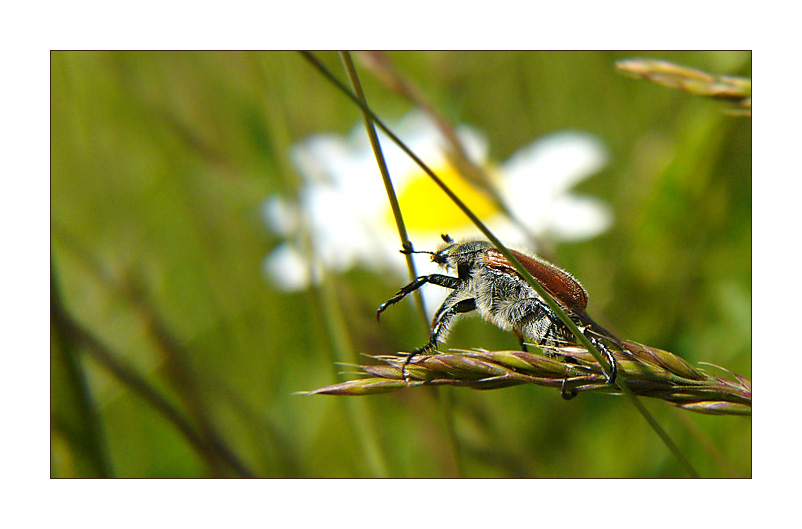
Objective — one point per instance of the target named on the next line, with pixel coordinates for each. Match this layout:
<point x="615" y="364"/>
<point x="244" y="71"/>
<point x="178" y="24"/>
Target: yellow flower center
<point x="427" y="209"/>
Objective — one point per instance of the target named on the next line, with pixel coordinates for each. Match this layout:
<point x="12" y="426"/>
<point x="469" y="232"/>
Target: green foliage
<point x="160" y="164"/>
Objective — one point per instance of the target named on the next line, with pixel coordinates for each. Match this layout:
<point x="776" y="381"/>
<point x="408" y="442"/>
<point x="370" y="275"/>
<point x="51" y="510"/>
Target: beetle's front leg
<point x="435" y="279"/>
<point x="445" y="315"/>
<point x="536" y="321"/>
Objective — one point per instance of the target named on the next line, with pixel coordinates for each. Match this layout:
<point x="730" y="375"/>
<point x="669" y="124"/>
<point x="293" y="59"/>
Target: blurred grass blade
<point x="73" y="414"/>
<point x="198" y="430"/>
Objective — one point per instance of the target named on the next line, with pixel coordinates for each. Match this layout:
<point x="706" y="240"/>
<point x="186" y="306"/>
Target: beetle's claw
<point x="565" y="393"/>
<point x="429" y="347"/>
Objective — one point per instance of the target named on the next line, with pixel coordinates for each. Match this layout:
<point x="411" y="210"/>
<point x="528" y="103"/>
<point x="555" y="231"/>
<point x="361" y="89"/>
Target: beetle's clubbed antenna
<point x="410" y="251"/>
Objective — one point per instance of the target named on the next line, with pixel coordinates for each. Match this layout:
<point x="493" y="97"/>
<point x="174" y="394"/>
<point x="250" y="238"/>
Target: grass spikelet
<point x="649" y="372"/>
<point x="736" y="90"/>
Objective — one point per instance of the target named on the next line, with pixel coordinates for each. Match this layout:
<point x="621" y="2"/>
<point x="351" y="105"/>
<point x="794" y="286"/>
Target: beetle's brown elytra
<point x="560" y="284"/>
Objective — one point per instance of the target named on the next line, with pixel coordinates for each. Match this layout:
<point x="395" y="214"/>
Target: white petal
<point x="287" y="268"/>
<point x="423" y="137"/>
<point x="335" y="227"/>
<point x="553" y="164"/>
<point x="577" y="217"/>
<point x="474" y="143"/>
<point x="280" y="216"/>
<point x="539" y="175"/>
<point x="317" y="157"/>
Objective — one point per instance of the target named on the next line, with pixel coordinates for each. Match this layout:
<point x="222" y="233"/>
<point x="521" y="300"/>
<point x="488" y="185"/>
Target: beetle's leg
<point x="566" y="393"/>
<point x="445" y="315"/>
<point x="608" y="355"/>
<point x="557" y="332"/>
<point x="530" y="318"/>
<point x="533" y="318"/>
<point x="435" y="279"/>
<point x="451" y="308"/>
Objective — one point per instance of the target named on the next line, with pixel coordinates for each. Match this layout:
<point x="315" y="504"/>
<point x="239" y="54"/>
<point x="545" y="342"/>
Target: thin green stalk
<point x="370" y="128"/>
<point x="508" y="255"/>
<point x="74" y="413"/>
<point x="444" y="399"/>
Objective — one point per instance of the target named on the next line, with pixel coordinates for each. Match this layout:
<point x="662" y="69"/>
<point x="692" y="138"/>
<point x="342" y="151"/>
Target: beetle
<point x="489" y="284"/>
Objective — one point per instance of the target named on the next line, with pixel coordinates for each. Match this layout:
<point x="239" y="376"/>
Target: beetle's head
<point x="452" y="254"/>
<point x="442" y="255"/>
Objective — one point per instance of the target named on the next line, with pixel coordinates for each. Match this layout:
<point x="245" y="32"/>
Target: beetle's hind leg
<point x="536" y="321"/>
<point x="608" y="355"/>
<point x="565" y="393"/>
<point x="553" y="330"/>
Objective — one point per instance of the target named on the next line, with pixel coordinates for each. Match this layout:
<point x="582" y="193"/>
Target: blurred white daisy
<point x="344" y="212"/>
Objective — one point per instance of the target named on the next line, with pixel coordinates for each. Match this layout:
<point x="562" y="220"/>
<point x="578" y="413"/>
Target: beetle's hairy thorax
<point x="503" y="298"/>
<point x="467" y="256"/>
<point x="496" y="293"/>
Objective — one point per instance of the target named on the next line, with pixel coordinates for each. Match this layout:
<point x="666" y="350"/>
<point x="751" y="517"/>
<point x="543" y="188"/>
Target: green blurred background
<point x="172" y="355"/>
